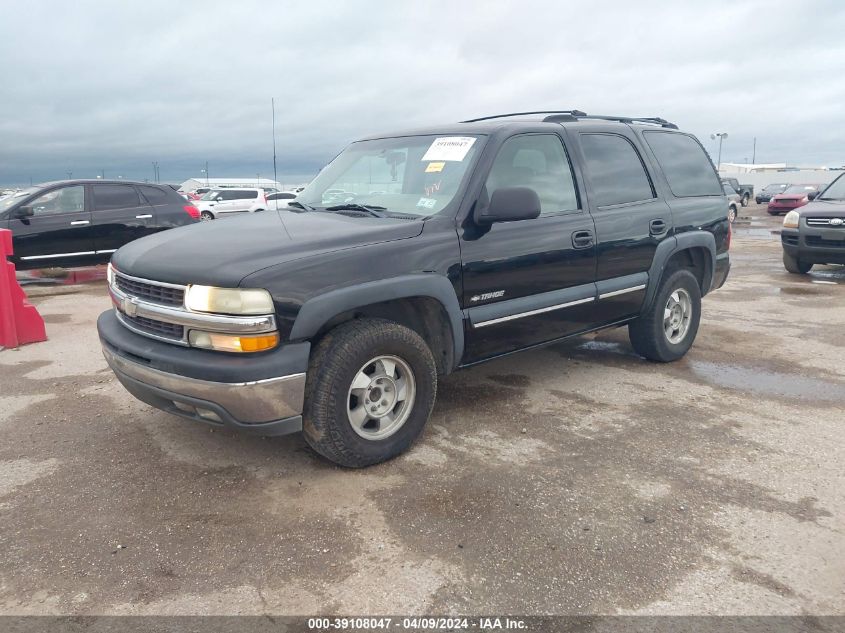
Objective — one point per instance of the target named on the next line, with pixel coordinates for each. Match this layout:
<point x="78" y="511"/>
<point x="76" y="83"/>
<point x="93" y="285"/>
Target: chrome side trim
<point x="196" y="320"/>
<point x="60" y="255"/>
<point x="108" y="250"/>
<point x="622" y="292"/>
<point x="511" y="317"/>
<point x="249" y="402"/>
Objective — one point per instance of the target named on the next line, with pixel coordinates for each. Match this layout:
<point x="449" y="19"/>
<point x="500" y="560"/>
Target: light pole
<point x="155" y="171"/>
<point x="69" y="174"/>
<point x="205" y="171"/>
<point x="722" y="136"/>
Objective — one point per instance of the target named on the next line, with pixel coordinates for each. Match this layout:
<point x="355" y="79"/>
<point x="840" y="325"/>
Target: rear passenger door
<point x="119" y="215"/>
<point x="631" y="220"/>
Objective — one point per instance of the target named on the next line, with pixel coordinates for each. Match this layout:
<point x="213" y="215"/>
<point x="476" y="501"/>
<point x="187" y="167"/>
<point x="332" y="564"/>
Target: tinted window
<point x="537" y="161"/>
<point x="615" y="170"/>
<point x="115" y="197"/>
<point x="683" y="161"/>
<point x="283" y="196"/>
<point x="64" y="200"/>
<point x="154" y="195"/>
<point x="234" y="194"/>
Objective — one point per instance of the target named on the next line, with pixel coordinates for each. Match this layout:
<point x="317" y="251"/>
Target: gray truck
<point x="745" y="192"/>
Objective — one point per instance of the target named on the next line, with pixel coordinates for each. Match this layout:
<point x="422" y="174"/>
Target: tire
<point x="795" y="265"/>
<point x="332" y="400"/>
<point x="206" y="216"/>
<point x="732" y="213"/>
<point x="649" y="333"/>
<point x="744" y="201"/>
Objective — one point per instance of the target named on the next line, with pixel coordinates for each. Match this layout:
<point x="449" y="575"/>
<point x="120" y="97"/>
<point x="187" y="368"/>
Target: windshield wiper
<point x="300" y="205"/>
<point x="374" y="210"/>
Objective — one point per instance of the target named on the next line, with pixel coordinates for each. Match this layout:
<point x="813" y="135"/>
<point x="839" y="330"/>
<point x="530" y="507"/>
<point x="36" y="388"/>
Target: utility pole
<point x="206" y="173"/>
<point x="103" y="174"/>
<point x="273" y="106"/>
<point x="155" y="171"/>
<point x="754" y="153"/>
<point x="69" y="174"/>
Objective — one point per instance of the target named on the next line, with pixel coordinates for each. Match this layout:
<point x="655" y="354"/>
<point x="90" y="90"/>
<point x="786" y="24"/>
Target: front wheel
<point x="370" y="389"/>
<point x="667" y="330"/>
<point x="732" y="214"/>
<point x="795" y="265"/>
<point x="206" y="216"/>
<point x="745" y="200"/>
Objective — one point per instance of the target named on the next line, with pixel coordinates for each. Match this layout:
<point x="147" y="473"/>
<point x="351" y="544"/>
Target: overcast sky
<point x="116" y="85"/>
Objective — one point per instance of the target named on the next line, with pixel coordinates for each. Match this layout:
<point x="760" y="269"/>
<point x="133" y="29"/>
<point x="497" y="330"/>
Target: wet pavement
<point x="574" y="479"/>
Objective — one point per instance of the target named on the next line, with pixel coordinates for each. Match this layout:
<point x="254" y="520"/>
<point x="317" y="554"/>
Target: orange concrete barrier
<point x="20" y="322"/>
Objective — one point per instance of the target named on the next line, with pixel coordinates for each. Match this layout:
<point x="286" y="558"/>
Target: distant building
<point x="194" y="183"/>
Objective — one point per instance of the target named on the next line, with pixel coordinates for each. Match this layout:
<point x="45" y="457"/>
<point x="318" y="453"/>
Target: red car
<point x="793" y="197"/>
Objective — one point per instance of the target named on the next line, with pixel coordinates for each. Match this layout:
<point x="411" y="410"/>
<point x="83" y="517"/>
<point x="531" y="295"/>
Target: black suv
<point x="82" y="222"/>
<point x="815" y="233"/>
<point x="447" y="246"/>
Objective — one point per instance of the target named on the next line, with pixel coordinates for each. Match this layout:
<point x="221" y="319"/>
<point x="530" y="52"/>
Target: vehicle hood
<point x="222" y="253"/>
<point x="824" y="209"/>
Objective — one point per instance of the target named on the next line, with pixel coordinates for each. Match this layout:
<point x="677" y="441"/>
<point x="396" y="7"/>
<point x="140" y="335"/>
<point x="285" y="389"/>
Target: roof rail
<point x="571" y="113"/>
<point x="557" y="116"/>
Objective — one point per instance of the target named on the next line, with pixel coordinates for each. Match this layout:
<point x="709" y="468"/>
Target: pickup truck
<point x="449" y="246"/>
<point x="745" y="192"/>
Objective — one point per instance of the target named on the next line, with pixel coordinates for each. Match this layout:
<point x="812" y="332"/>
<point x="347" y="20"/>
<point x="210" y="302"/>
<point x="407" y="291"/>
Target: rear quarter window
<point x="115" y="197"/>
<point x="154" y="195"/>
<point x="615" y="170"/>
<point x="686" y="166"/>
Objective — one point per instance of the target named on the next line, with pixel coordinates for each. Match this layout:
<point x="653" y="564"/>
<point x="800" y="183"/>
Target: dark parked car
<point x="793" y="197"/>
<point x="815" y="234"/>
<point x="82" y="222"/>
<point x="456" y="244"/>
<point x="745" y="192"/>
<point x="767" y="192"/>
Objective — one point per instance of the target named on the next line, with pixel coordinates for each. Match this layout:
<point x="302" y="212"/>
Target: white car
<point x="280" y="199"/>
<point x="219" y="203"/>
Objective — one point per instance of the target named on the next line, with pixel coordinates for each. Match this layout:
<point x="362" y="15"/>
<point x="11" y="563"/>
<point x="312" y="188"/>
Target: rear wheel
<point x="795" y="265"/>
<point x="745" y="200"/>
<point x="667" y="330"/>
<point x="370" y="389"/>
<point x="206" y="216"/>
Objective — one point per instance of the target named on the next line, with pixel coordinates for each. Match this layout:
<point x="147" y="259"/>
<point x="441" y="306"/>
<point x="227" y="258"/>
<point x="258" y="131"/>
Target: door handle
<point x="144" y="216"/>
<point x="582" y="239"/>
<point x="657" y="226"/>
<point x="80" y="222"/>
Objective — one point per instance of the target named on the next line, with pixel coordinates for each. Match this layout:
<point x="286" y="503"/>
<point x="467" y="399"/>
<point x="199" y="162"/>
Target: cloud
<point x="114" y="86"/>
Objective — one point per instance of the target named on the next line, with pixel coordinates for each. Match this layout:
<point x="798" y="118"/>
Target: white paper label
<point x="427" y="203"/>
<point x="449" y="148"/>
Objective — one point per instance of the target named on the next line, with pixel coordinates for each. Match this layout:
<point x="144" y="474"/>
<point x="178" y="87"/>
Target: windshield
<point x="409" y="175"/>
<point x="775" y="187"/>
<point x="211" y="195"/>
<point x="7" y="203"/>
<point x="835" y="190"/>
<point x="796" y="189"/>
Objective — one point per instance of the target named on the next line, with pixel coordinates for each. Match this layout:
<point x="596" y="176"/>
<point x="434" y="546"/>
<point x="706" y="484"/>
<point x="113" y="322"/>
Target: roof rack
<point x="557" y="116"/>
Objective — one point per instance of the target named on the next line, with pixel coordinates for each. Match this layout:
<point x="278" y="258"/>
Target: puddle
<point x="753" y="379"/>
<point x="799" y="290"/>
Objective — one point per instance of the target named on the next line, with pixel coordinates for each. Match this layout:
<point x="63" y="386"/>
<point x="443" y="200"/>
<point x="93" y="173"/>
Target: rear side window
<point x="115" y="197"/>
<point x="154" y="195"/>
<point x="682" y="159"/>
<point x="237" y="194"/>
<point x="537" y="161"/>
<point x="615" y="170"/>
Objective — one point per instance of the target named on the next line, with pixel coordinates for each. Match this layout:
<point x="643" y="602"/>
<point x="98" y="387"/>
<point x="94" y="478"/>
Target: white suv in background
<point x="219" y="203"/>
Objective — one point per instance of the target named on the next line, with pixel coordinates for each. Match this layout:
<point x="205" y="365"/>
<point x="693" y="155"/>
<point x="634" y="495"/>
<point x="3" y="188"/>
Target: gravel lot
<point x="574" y="479"/>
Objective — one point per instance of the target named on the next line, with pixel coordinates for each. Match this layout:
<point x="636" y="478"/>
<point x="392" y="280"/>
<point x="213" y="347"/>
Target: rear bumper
<point x="720" y="274"/>
<point x="265" y="396"/>
<point x="814" y="246"/>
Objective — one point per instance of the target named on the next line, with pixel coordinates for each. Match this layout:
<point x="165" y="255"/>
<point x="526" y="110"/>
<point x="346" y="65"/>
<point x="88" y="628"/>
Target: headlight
<point x="228" y="300"/>
<point x="790" y="221"/>
<point x="110" y="274"/>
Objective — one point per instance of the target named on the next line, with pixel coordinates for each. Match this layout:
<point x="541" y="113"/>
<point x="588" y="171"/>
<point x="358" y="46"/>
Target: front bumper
<point x="814" y="245"/>
<point x="262" y="393"/>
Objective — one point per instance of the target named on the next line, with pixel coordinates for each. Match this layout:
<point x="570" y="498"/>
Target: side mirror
<point x="219" y="198"/>
<point x="23" y="212"/>
<point x="510" y="204"/>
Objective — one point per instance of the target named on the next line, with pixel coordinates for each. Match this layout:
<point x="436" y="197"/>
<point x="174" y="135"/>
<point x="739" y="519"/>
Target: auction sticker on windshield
<point x="449" y="148"/>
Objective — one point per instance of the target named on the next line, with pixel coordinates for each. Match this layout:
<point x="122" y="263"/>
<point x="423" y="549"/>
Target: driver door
<point x="59" y="233"/>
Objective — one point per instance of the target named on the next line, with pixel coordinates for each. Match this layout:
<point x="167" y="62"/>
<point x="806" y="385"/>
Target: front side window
<point x="539" y="162"/>
<point x="410" y="175"/>
<point x="115" y="197"/>
<point x="615" y="170"/>
<point x="64" y="200"/>
<point x="685" y="164"/>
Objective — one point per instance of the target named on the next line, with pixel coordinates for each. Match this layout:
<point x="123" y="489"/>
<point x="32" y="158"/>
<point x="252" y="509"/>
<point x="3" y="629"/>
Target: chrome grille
<point x="170" y="295"/>
<point x="825" y="222"/>
<point x="157" y="328"/>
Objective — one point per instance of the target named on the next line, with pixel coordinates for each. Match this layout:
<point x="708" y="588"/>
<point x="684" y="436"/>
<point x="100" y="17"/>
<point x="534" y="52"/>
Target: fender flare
<point x="669" y="247"/>
<point x="317" y="311"/>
